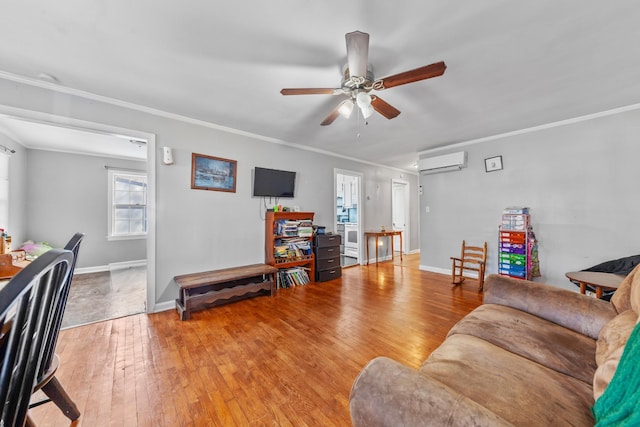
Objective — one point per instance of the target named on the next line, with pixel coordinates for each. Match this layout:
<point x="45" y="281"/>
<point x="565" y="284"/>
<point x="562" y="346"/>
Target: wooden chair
<point x="28" y="304"/>
<point x="472" y="258"/>
<point x="47" y="382"/>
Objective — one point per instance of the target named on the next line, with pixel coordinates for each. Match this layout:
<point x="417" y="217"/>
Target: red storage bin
<point x="512" y="237"/>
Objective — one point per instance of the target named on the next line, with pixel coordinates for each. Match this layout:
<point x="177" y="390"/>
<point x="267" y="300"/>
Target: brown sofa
<point x="532" y="354"/>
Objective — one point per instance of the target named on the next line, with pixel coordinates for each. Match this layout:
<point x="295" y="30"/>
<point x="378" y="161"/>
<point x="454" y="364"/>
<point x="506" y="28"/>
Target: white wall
<point x="200" y="230"/>
<point x="579" y="180"/>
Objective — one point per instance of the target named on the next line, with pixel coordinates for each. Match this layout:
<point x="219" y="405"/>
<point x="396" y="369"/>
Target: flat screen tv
<point x="273" y="183"/>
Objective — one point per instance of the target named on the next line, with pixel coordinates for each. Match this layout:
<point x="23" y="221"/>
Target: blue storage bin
<point x="511" y="267"/>
<point x="514" y="273"/>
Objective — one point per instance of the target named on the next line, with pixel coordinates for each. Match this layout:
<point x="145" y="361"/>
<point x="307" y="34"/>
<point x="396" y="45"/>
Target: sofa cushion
<point x="615" y="335"/>
<point x="572" y="310"/>
<point x="623" y="299"/>
<point x="605" y="372"/>
<point x="526" y="335"/>
<point x="611" y="343"/>
<point x="521" y="391"/>
<point x="390" y="394"/>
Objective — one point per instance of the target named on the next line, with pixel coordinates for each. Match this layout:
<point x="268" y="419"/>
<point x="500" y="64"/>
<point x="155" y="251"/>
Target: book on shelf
<point x="292" y="228"/>
<point x="305" y="231"/>
<point x="292" y="248"/>
<point x="293" y="277"/>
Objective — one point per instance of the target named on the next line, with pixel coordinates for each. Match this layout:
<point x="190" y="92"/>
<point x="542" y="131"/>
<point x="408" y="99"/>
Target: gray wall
<point x="200" y="230"/>
<point x="67" y="193"/>
<point x="579" y="180"/>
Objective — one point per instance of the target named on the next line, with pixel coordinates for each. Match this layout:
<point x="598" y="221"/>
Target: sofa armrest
<point x="580" y="313"/>
<point x="387" y="393"/>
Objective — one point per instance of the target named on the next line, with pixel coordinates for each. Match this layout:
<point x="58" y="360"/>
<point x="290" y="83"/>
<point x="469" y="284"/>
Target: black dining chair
<point x="28" y="305"/>
<point x="47" y="382"/>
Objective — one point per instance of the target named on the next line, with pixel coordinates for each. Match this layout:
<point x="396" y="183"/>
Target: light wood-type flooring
<point x="288" y="360"/>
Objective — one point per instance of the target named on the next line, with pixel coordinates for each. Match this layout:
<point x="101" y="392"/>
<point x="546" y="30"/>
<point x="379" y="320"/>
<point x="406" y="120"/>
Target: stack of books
<point x="289" y="228"/>
<point x="292" y="277"/>
<point x="286" y="249"/>
<point x="305" y="229"/>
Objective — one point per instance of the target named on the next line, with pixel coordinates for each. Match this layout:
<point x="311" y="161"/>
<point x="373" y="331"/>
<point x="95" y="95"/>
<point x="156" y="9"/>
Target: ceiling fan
<point x="358" y="81"/>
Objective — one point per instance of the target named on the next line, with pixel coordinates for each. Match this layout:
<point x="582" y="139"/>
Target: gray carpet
<point x="94" y="297"/>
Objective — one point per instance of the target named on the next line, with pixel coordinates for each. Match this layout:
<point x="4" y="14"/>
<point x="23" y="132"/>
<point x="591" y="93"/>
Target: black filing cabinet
<point x="327" y="250"/>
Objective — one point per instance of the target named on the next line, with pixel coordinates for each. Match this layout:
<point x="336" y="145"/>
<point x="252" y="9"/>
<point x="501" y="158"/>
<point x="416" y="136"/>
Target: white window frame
<point x="113" y="174"/>
<point x="4" y="191"/>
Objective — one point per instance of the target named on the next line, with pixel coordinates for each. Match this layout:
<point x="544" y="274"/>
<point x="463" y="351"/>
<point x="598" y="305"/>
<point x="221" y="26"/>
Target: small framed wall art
<point x="213" y="173"/>
<point x="492" y="164"/>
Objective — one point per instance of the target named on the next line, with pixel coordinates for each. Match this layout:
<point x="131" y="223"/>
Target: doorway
<point x="348" y="215"/>
<point x="80" y="137"/>
<point x="400" y="213"/>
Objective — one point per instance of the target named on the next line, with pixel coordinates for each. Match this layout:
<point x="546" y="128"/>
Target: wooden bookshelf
<point x="306" y="261"/>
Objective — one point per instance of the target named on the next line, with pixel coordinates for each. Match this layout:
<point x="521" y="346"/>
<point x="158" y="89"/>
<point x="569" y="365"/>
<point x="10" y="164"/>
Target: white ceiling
<point x="45" y="136"/>
<point x="510" y="65"/>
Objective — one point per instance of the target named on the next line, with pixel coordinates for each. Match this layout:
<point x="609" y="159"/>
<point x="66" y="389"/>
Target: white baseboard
<point x="434" y="269"/>
<point x="112" y="266"/>
<point x="164" y="306"/>
<point x="128" y="264"/>
<point x="446" y="271"/>
<point x="96" y="269"/>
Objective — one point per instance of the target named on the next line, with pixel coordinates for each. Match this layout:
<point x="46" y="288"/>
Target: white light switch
<point x="427" y="209"/>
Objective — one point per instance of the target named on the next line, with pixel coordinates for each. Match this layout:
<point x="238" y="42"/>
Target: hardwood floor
<point x="286" y="360"/>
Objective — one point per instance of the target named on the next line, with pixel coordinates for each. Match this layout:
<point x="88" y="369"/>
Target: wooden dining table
<point x="11" y="263"/>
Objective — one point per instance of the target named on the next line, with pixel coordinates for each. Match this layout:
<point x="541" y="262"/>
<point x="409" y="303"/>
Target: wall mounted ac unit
<point x="444" y="163"/>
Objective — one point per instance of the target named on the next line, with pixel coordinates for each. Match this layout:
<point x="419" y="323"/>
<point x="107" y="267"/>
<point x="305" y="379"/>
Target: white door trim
<point x="360" y="176"/>
<point x="407" y="231"/>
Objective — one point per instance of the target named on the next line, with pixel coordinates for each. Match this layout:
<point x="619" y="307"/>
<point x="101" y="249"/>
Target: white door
<point x="400" y="213"/>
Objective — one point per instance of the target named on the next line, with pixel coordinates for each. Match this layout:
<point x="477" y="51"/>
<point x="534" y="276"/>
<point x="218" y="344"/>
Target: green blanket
<point x="619" y="405"/>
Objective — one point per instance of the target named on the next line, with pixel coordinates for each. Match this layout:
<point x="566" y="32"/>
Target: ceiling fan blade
<point x="311" y="91"/>
<point x="422" y="73"/>
<point x="357" y="53"/>
<point x="332" y="115"/>
<point x="384" y="108"/>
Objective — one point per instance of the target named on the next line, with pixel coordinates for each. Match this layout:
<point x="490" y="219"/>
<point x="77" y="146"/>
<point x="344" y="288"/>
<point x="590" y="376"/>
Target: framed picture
<point x="493" y="164"/>
<point x="213" y="173"/>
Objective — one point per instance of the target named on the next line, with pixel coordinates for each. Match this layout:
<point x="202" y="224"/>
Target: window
<point x="127" y="204"/>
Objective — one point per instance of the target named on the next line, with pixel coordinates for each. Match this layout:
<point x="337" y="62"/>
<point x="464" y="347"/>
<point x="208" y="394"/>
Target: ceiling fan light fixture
<point x="346" y="108"/>
<point x="367" y="111"/>
<point x="363" y="99"/>
<point x="358" y="80"/>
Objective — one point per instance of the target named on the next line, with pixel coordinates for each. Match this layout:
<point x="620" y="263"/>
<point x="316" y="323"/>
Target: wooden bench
<point x="202" y="290"/>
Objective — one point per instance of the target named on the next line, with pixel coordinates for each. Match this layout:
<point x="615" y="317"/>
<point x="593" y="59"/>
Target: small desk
<point x="599" y="281"/>
<point x="377" y="235"/>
